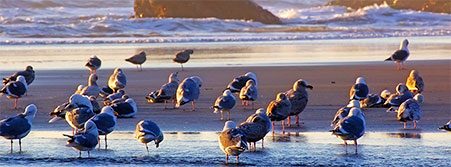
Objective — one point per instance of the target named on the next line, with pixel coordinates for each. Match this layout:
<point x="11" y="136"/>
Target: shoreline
<point x="53" y="87"/>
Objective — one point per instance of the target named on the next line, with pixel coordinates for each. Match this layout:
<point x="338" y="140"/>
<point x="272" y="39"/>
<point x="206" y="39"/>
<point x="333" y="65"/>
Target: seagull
<point x="400" y="55"/>
<point x="147" y="131"/>
<point x="352" y="127"/>
<point x="113" y="97"/>
<point x="19" y="126"/>
<point x="225" y="102"/>
<point x="93" y="64"/>
<point x="359" y="90"/>
<point x="249" y="93"/>
<point x="278" y="110"/>
<point x="95" y="105"/>
<point x="92" y="89"/>
<point x="298" y="97"/>
<point x="410" y="110"/>
<point x="28" y="73"/>
<point x="402" y="94"/>
<point x="78" y="111"/>
<point x="167" y="91"/>
<point x="117" y="80"/>
<point x="183" y="57"/>
<point x="187" y="91"/>
<point x="415" y="82"/>
<point x="59" y="112"/>
<point x="125" y="108"/>
<point x="261" y="118"/>
<point x="344" y="112"/>
<point x="232" y="141"/>
<point x="105" y="122"/>
<point x="375" y="100"/>
<point x="239" y="82"/>
<point x="446" y="127"/>
<point x="15" y="89"/>
<point x="138" y="59"/>
<point x="85" y="140"/>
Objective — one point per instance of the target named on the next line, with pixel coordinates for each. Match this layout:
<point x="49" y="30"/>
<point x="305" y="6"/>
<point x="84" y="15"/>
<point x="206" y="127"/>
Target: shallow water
<point x="202" y="149"/>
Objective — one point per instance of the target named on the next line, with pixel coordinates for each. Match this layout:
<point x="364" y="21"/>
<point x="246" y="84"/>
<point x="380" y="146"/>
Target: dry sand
<point x="52" y="88"/>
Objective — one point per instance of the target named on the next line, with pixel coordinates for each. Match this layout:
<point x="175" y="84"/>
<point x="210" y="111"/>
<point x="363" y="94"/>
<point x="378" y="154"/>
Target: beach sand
<point x="331" y="91"/>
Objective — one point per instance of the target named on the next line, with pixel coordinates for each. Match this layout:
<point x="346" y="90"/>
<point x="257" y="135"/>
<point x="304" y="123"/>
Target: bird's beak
<point x="115" y="113"/>
<point x="310" y="87"/>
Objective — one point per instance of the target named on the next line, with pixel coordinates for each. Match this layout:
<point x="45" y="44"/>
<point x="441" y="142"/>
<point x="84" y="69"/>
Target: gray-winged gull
<point x="298" y="97"/>
<point x="239" y="82"/>
<point x="278" y="110"/>
<point x="188" y="91"/>
<point x="166" y="92"/>
<point x="225" y="102"/>
<point x="28" y="73"/>
<point x="183" y="57"/>
<point x="375" y="100"/>
<point x="446" y="127"/>
<point x="125" y="107"/>
<point x="359" y="90"/>
<point x="93" y="64"/>
<point x="232" y="141"/>
<point x="402" y="94"/>
<point x="352" y="127"/>
<point x="92" y="89"/>
<point x="78" y="111"/>
<point x="86" y="140"/>
<point x="260" y="117"/>
<point x="19" y="126"/>
<point x="249" y="93"/>
<point x="15" y="89"/>
<point x="114" y="97"/>
<point x="147" y="131"/>
<point x="105" y="122"/>
<point x="400" y="55"/>
<point x="138" y="59"/>
<point x="415" y="82"/>
<point x="344" y="111"/>
<point x="410" y="110"/>
<point x="117" y="80"/>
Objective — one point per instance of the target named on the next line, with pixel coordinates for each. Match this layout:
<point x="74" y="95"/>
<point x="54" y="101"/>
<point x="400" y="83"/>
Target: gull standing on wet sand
<point x="138" y="59"/>
<point x="225" y="102"/>
<point x="359" y="90"/>
<point x="147" y="131"/>
<point x="260" y="117"/>
<point x="352" y="127"/>
<point x="167" y="91"/>
<point x="15" y="89"/>
<point x="28" y="73"/>
<point x="19" y="126"/>
<point x="410" y="110"/>
<point x="182" y="57"/>
<point x="117" y="80"/>
<point x="93" y="64"/>
<point x="278" y="110"/>
<point x="85" y="140"/>
<point x="415" y="82"/>
<point x="188" y="91"/>
<point x="105" y="122"/>
<point x="256" y="127"/>
<point x="125" y="107"/>
<point x="400" y="55"/>
<point x="401" y="95"/>
<point x="78" y="111"/>
<point x="92" y="89"/>
<point x="249" y="93"/>
<point x="298" y="97"/>
<point x="232" y="141"/>
<point x="344" y="111"/>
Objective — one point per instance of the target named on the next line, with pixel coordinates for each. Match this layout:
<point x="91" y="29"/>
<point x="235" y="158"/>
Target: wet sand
<point x="331" y="91"/>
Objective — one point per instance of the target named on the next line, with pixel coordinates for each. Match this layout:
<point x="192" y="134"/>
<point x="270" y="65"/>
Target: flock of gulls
<point x="88" y="120"/>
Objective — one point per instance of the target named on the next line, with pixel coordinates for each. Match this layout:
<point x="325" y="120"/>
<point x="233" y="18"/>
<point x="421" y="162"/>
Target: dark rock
<point x="222" y="9"/>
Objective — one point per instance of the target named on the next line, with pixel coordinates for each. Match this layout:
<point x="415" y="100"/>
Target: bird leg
<point x="89" y="154"/>
<point x="227" y="159"/>
<point x="404" y="125"/>
<point x="402" y="65"/>
<point x="414" y="124"/>
<point x="147" y="148"/>
<point x="181" y="65"/>
<point x="228" y="115"/>
<point x="297" y="120"/>
<point x="11" y="146"/>
<point x="141" y="66"/>
<point x="355" y="144"/>
<point x="98" y="138"/>
<point x="288" y="121"/>
<point x="262" y="142"/>
<point x="222" y="116"/>
<point x="15" y="103"/>
<point x="255" y="146"/>
<point x="106" y="145"/>
<point x="238" y="159"/>
<point x="192" y="102"/>
<point x="165" y="104"/>
<point x="346" y="146"/>
<point x="283" y="126"/>
<point x="272" y="128"/>
<point x="79" y="154"/>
